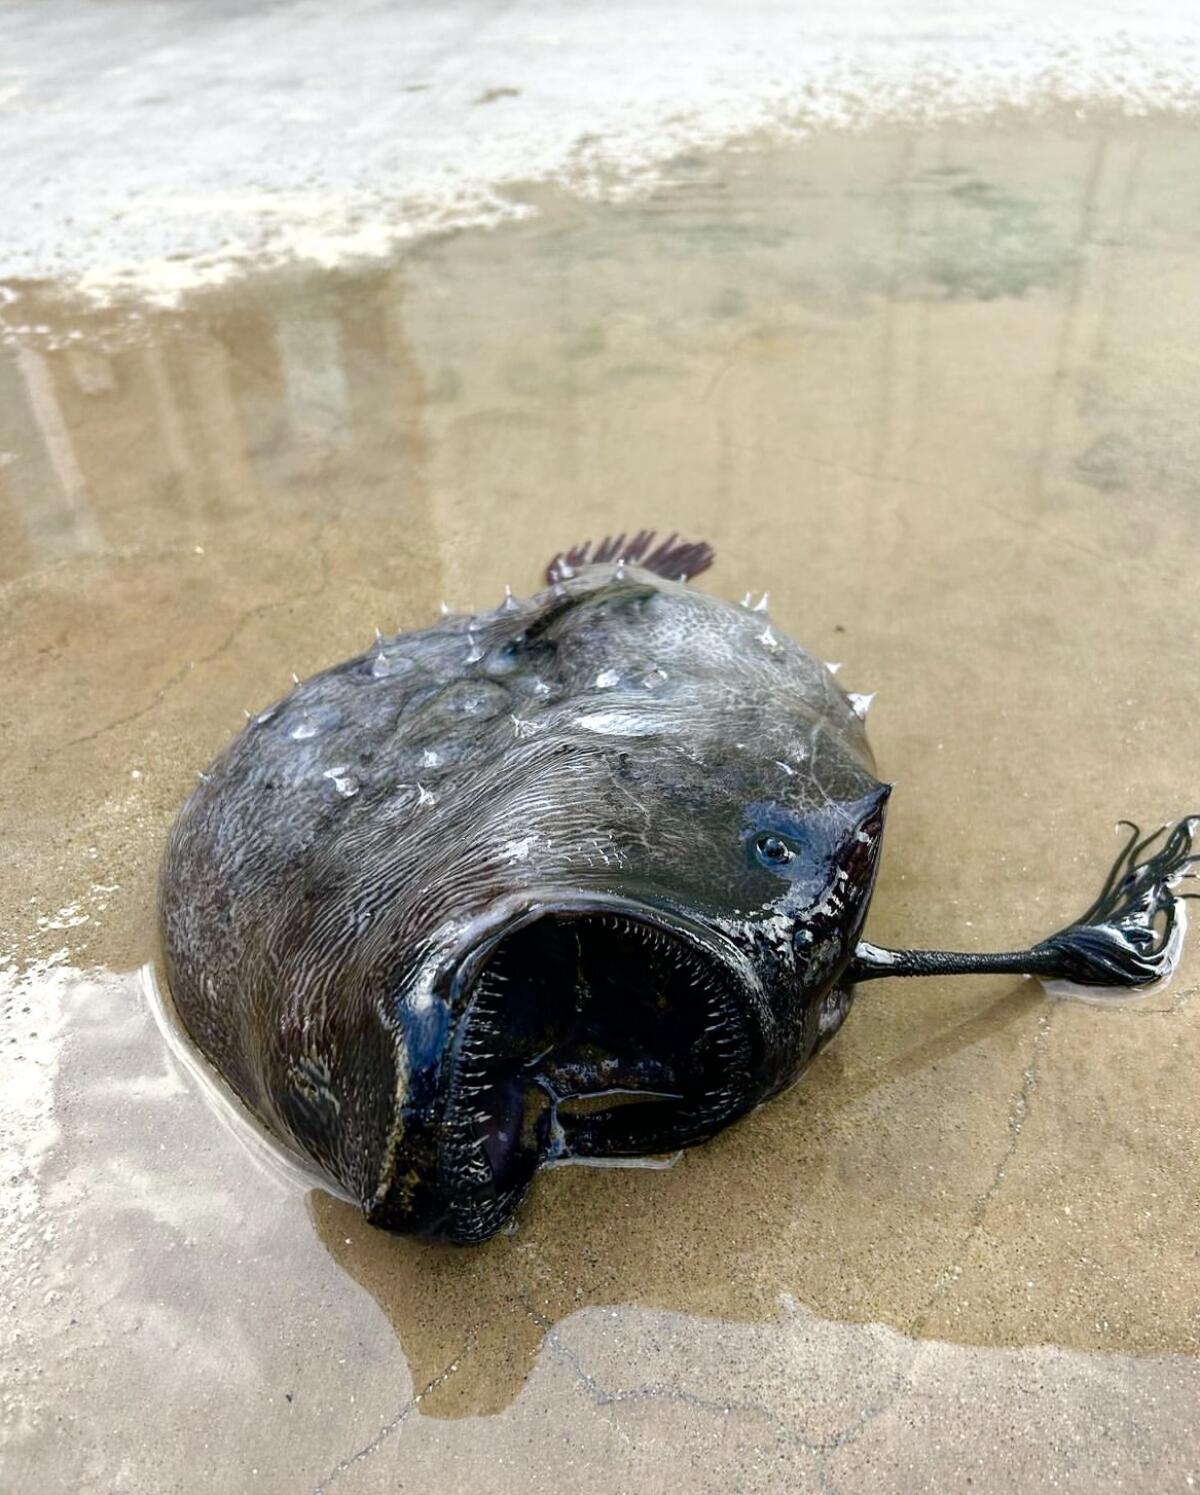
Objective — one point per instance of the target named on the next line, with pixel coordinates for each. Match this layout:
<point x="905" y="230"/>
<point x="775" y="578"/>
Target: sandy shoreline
<point x="150" y="150"/>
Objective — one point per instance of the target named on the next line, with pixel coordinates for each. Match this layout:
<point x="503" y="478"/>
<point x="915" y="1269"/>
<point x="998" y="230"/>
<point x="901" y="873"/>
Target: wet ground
<point x="937" y="392"/>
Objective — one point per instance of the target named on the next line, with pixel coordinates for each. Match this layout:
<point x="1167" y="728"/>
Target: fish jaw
<point x="594" y="1026"/>
<point x="560" y="1029"/>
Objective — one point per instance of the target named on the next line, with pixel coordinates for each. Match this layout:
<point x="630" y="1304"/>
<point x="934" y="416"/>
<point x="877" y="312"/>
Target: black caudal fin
<point x="1130" y="936"/>
<point x="673" y="558"/>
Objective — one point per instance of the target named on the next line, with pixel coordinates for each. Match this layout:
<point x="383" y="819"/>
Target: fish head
<point x="662" y="948"/>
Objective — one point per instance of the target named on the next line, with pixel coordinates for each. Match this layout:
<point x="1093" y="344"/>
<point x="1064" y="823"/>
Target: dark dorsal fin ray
<point x="672" y="558"/>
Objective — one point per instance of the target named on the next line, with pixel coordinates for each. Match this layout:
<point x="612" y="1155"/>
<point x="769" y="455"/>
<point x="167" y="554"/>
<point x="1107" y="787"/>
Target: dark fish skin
<point x="581" y="877"/>
<point x="616" y="839"/>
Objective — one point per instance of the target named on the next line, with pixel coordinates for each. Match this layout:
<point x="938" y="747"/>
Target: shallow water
<point x="935" y="392"/>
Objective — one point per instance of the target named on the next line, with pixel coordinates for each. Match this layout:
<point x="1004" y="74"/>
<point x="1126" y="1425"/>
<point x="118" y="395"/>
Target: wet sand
<point x="937" y="392"/>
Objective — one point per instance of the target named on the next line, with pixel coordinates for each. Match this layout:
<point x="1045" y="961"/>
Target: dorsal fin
<point x="673" y="558"/>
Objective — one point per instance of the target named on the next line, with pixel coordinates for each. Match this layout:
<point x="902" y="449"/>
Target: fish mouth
<point x="590" y="1034"/>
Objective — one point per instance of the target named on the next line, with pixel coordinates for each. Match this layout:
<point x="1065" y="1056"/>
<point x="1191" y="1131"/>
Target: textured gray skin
<point x="618" y="741"/>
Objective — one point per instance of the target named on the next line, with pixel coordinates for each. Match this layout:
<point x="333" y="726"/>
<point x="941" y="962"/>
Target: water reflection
<point x="937" y="394"/>
<point x="906" y="279"/>
<point x="155" y="1264"/>
<point x="745" y="1222"/>
<point x="154" y="438"/>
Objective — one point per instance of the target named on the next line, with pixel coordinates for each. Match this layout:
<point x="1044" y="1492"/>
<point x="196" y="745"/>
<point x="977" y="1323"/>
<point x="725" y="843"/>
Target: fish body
<point x="577" y="877"/>
<point x="580" y="877"/>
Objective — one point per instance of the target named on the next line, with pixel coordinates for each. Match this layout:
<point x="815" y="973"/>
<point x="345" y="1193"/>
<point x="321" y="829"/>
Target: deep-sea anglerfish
<point x="584" y="876"/>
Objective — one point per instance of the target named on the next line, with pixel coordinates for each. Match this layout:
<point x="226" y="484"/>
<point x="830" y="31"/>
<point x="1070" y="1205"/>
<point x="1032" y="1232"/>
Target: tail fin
<point x="675" y="559"/>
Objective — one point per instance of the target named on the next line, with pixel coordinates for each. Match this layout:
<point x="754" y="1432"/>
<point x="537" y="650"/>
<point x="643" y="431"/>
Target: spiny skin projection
<point x="582" y="877"/>
<point x="576" y="877"/>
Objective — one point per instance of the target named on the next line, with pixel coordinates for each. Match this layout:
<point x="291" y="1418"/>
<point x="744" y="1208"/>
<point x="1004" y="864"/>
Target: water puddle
<point x="937" y="394"/>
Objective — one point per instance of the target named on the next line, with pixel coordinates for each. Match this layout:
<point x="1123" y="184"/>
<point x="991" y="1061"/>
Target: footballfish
<point x="582" y="877"/>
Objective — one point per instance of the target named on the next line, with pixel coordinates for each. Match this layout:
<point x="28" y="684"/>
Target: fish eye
<point x="773" y="850"/>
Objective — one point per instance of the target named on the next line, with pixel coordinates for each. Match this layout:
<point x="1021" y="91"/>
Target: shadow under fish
<point x="580" y="879"/>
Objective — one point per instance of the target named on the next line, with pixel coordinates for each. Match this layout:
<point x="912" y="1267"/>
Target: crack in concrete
<point x="818" y="1450"/>
<point x="244" y="619"/>
<point x="602" y="1397"/>
<point x="26" y="585"/>
<point x="391" y="1427"/>
<point x="891" y="1393"/>
<point x="1018" y="1113"/>
<point x="902" y="1379"/>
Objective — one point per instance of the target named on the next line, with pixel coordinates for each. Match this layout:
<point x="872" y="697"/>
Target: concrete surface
<point x="935" y="388"/>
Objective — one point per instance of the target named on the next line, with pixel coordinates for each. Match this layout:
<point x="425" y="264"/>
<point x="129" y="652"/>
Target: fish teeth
<point x="444" y="608"/>
<point x="746" y="602"/>
<point x="833" y="666"/>
<point x="474" y="653"/>
<point x="378" y="635"/>
<point x="510" y="603"/>
<point x="295" y="678"/>
<point x="767" y="639"/>
<point x="860" y="703"/>
<point x="761" y="605"/>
